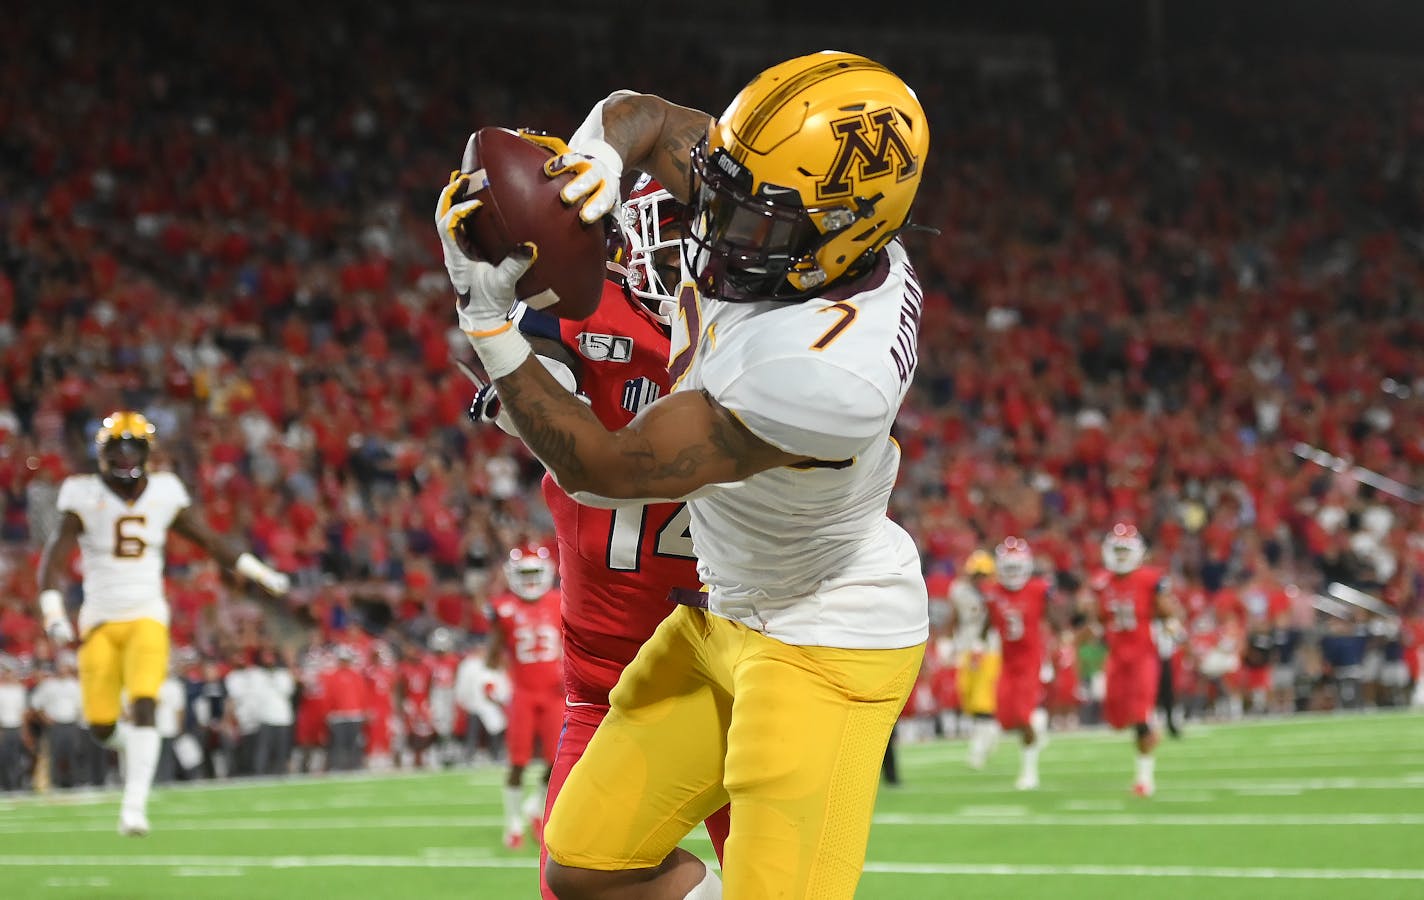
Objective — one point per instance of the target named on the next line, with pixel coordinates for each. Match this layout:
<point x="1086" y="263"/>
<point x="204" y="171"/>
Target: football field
<point x="1303" y="808"/>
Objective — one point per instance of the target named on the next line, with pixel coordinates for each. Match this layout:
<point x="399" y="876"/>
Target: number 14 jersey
<point x="616" y="566"/>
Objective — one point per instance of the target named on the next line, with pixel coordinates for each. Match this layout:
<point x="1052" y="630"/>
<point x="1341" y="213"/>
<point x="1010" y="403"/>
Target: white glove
<point x="253" y="569"/>
<point x="597" y="170"/>
<point x="459" y="266"/>
<point x="486" y="292"/>
<point x="56" y="620"/>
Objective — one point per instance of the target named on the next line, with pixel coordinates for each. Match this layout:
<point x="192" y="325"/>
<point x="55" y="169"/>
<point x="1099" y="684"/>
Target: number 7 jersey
<point x="616" y="566"/>
<point x="807" y="554"/>
<point x="121" y="546"/>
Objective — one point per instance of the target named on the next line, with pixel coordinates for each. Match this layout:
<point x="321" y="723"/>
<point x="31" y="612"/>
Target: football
<point x="522" y="204"/>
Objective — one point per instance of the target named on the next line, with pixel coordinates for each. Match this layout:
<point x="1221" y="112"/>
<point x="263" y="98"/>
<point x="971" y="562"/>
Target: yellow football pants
<point x="118" y="656"/>
<point x="710" y="711"/>
<point x="978" y="681"/>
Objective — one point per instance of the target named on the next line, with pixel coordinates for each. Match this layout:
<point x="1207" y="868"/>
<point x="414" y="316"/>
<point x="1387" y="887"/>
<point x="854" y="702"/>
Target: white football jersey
<point x="122" y="546"/>
<point x="971" y="611"/>
<point x="807" y="555"/>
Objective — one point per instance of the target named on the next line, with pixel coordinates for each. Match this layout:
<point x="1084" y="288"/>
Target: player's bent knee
<point x="570" y="883"/>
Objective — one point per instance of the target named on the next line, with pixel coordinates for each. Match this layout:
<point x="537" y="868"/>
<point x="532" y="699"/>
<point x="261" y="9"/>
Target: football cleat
<point x="1026" y="783"/>
<point x="513" y="841"/>
<point x="1144" y="789"/>
<point x="133" y="824"/>
<point x="536" y="825"/>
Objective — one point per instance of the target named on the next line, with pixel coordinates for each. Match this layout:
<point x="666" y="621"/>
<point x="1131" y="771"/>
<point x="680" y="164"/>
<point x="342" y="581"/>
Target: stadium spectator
<point x="13" y="739"/>
<point x="56" y="700"/>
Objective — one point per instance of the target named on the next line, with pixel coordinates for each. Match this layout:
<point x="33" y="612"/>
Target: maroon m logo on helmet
<point x="888" y="150"/>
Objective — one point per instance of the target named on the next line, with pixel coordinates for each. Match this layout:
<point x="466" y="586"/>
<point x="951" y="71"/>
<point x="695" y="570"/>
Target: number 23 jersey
<point x="532" y="646"/>
<point x="121" y="546"/>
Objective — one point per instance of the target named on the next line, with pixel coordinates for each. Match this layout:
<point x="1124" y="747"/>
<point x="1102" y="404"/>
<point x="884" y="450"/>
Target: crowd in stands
<point x="1143" y="299"/>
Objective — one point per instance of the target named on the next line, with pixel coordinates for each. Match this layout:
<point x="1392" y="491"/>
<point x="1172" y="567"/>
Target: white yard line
<point x="225" y="864"/>
<point x="264" y="824"/>
<point x="1186" y="820"/>
<point x="974" y="817"/>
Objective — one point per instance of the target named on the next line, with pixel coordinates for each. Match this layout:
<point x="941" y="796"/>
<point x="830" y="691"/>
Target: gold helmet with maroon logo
<point x="808" y="174"/>
<point x="123" y="443"/>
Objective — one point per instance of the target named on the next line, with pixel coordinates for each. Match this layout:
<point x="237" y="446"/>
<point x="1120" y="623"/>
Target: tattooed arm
<point x="681" y="443"/>
<point x="652" y="135"/>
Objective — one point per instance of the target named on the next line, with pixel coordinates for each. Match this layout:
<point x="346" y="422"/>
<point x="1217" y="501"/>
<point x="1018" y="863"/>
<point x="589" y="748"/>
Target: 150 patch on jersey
<point x="638" y="393"/>
<point x="605" y="347"/>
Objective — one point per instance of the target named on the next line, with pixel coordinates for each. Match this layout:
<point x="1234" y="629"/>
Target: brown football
<point x="522" y="204"/>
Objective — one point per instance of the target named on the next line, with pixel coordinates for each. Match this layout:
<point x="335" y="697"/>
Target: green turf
<point x="1301" y="808"/>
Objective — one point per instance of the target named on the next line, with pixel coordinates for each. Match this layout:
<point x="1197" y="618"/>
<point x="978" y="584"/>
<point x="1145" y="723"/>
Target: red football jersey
<point x="616" y="567"/>
<point x="442" y="670"/>
<point x="380" y="682"/>
<point x="1126" y="605"/>
<point x="414" y="680"/>
<point x="532" y="648"/>
<point x="1018" y="617"/>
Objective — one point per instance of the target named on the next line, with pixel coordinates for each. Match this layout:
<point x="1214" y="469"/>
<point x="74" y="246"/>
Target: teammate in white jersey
<point x="794" y="345"/>
<point x="120" y="520"/>
<point x="977" y="656"/>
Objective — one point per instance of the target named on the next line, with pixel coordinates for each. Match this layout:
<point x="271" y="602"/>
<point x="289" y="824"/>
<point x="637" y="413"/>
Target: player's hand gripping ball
<point x="520" y="204"/>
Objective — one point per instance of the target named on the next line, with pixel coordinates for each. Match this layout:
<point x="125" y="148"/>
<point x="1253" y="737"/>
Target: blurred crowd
<point x="1145" y="297"/>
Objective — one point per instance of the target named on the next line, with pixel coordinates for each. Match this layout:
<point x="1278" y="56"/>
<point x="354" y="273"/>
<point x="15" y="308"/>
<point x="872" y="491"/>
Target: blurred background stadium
<point x="1179" y="280"/>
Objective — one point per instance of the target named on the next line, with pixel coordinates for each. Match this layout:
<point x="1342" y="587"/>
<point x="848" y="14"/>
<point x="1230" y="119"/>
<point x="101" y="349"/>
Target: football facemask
<point x="810" y="171"/>
<point x="530" y="572"/>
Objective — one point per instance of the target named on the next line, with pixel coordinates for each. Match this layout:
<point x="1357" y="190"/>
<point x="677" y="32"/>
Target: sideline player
<point x="616" y="566"/>
<point x="777" y="687"/>
<point x="1129" y="596"/>
<point x="524" y="625"/>
<point x="977" y="655"/>
<point x="120" y="519"/>
<point x="1017" y="607"/>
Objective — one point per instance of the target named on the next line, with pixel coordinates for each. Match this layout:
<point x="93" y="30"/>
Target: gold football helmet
<point x="808" y="174"/>
<point x="979" y="563"/>
<point x="123" y="443"/>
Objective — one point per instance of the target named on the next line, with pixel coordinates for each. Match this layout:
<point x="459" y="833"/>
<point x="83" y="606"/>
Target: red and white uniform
<point x="533" y="650"/>
<point x="616" y="567"/>
<point x="1018" y="617"/>
<point x="442" y="691"/>
<point x="1127" y="605"/>
<point x="1065" y="676"/>
<point x="311" y="710"/>
<point x="414" y="675"/>
<point x="380" y="686"/>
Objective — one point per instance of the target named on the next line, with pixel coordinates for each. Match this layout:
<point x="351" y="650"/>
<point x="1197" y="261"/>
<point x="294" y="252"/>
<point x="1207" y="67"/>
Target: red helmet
<point x="1123" y="549"/>
<point x="530" y="571"/>
<point x="1013" y="562"/>
<point x="654" y="223"/>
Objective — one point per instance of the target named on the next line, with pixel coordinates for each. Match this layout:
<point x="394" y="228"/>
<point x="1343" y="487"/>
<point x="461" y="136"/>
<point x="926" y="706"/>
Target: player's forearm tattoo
<point x="540" y="408"/>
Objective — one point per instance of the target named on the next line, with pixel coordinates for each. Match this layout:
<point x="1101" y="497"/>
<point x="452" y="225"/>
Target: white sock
<point x="1038" y="720"/>
<point x="976" y="745"/>
<point x="1030" y="761"/>
<point x="991" y="735"/>
<point x="118" y="738"/>
<point x="534" y="803"/>
<point x="1145" y="764"/>
<point x="513" y="816"/>
<point x="140" y="762"/>
<point x="709" y="888"/>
